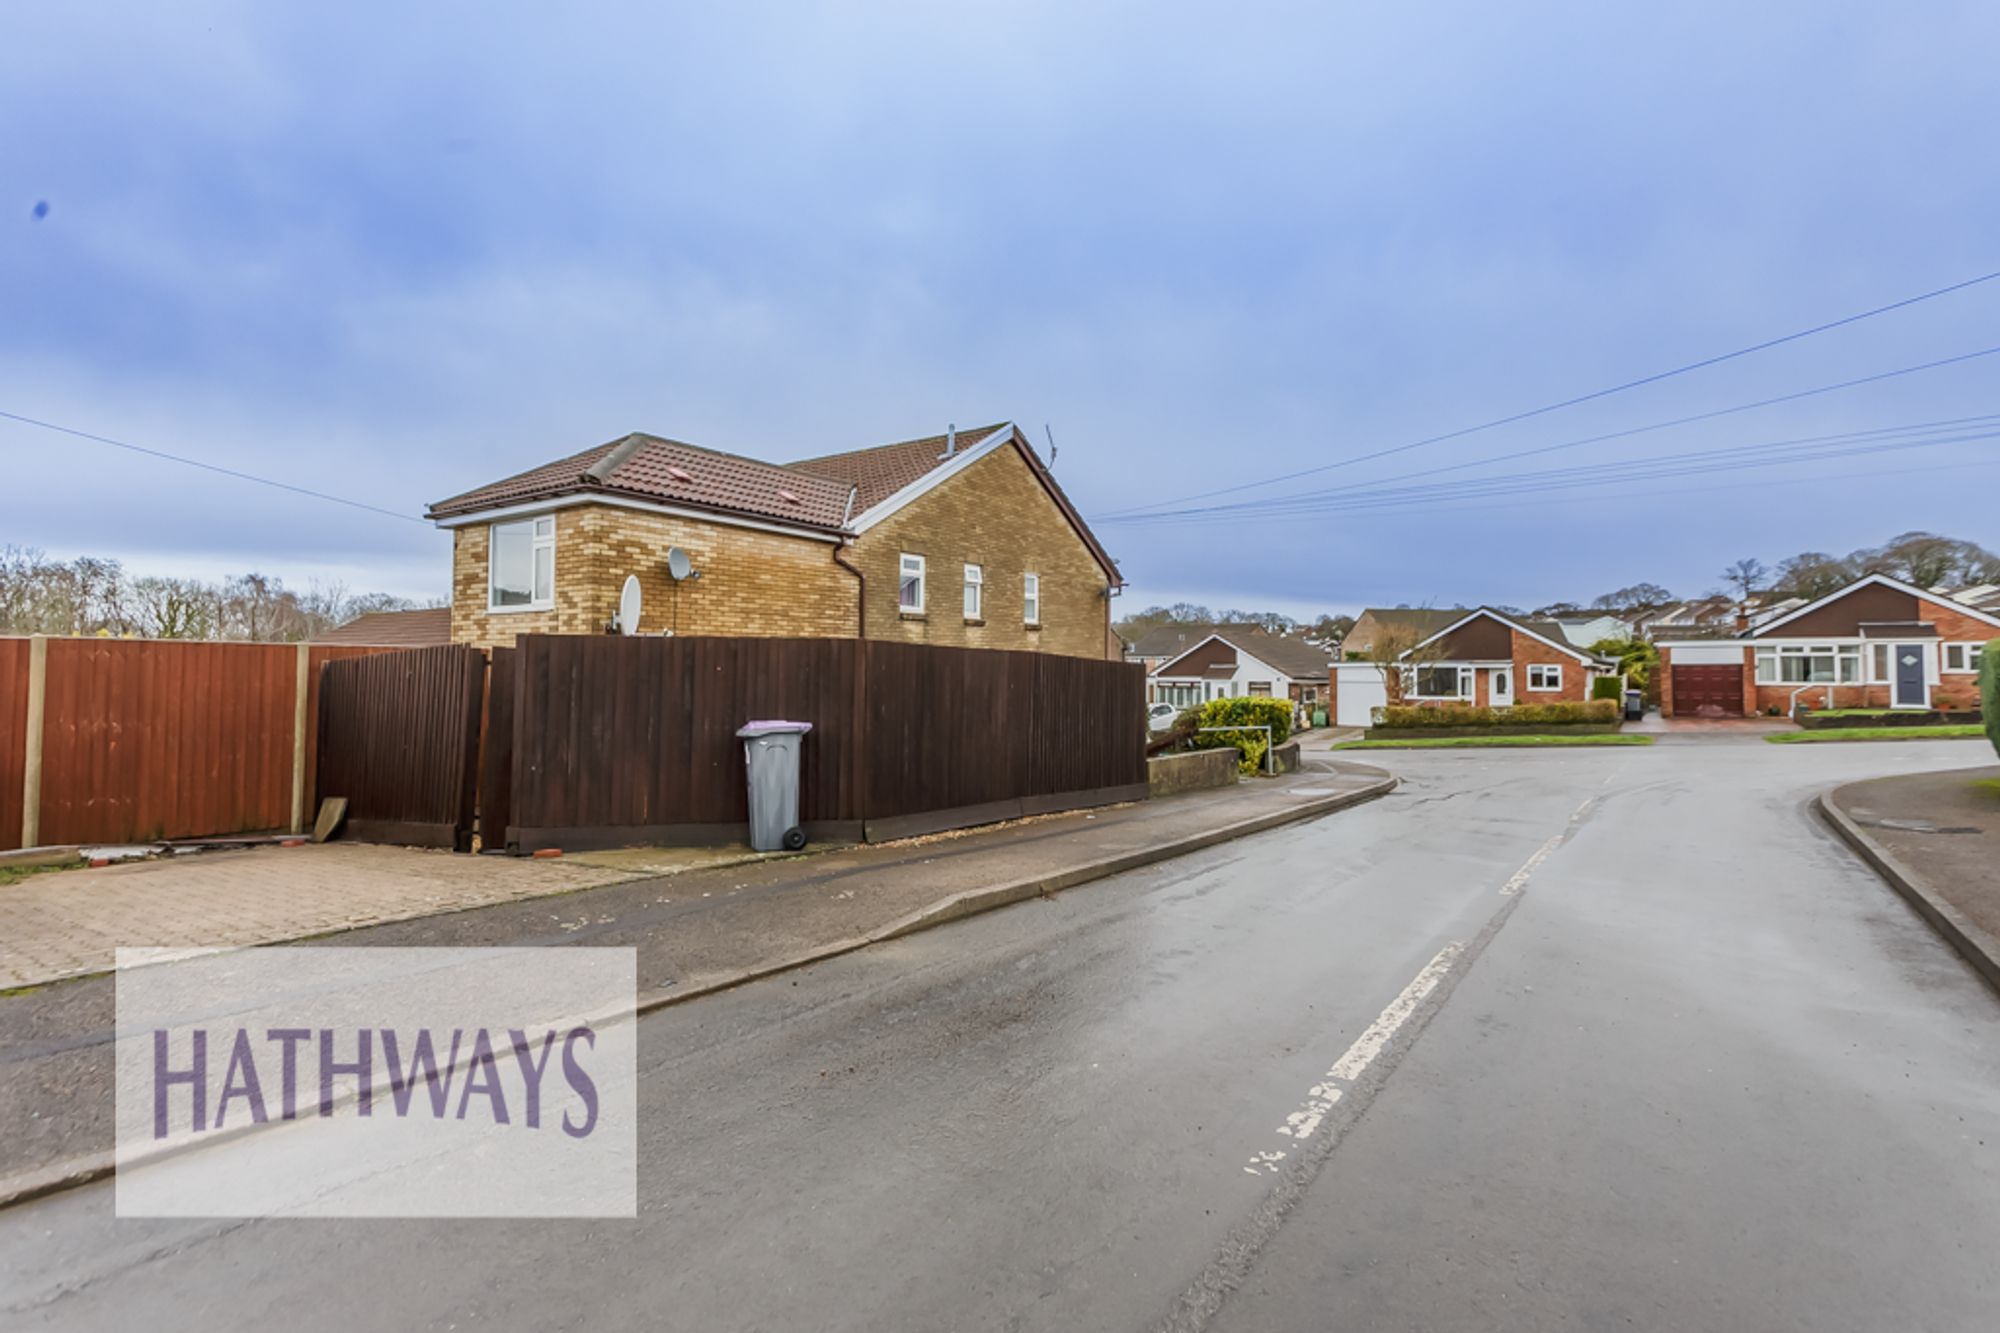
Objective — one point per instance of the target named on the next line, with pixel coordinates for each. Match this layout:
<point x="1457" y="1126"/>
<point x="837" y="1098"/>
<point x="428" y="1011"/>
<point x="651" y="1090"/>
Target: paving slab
<point x="71" y="923"/>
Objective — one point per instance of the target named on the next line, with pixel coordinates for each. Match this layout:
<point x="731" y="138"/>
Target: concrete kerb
<point x="93" y="1167"/>
<point x="1977" y="946"/>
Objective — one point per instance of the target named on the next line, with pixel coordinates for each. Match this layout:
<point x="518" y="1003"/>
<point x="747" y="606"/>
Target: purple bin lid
<point x="749" y="729"/>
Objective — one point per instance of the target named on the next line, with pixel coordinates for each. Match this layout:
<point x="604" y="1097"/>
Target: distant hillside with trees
<point x="1921" y="558"/>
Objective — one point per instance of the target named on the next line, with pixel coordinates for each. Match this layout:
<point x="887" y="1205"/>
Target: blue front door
<point x="1910" y="676"/>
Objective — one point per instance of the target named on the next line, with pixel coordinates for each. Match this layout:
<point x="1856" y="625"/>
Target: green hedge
<point x="1597" y="712"/>
<point x="1245" y="712"/>
<point x="1989" y="691"/>
<point x="1607" y="687"/>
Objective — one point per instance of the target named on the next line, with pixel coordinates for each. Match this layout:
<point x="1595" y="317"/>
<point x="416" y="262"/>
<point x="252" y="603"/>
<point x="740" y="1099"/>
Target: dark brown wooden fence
<point x="399" y="738"/>
<point x="625" y="741"/>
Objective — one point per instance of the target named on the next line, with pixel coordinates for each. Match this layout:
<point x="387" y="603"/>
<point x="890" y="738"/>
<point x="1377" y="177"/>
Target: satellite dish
<point x="628" y="606"/>
<point x="679" y="565"/>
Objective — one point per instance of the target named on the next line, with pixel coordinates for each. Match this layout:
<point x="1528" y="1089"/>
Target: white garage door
<point x="1361" y="689"/>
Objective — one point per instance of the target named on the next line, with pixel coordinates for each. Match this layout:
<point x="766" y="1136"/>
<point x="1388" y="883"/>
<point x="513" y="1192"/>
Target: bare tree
<point x="1746" y="576"/>
<point x="1636" y="597"/>
<point x="176" y="608"/>
<point x="1813" y="574"/>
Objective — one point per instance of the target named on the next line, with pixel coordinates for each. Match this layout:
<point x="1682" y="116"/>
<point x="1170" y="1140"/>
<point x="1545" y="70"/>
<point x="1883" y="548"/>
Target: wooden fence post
<point x="31" y="769"/>
<point x="299" y="721"/>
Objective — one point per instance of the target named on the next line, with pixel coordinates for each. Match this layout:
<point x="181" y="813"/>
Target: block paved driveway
<point x="70" y="924"/>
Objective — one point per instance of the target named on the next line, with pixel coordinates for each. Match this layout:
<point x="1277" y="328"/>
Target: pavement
<point x="1549" y="1039"/>
<point x="71" y="924"/>
<point x="699" y="930"/>
<point x="1935" y="837"/>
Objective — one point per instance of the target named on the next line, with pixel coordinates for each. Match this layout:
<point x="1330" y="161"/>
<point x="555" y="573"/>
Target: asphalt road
<point x="1557" y="1039"/>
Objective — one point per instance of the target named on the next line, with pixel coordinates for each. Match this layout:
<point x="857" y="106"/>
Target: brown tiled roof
<point x="1422" y="619"/>
<point x="823" y="493"/>
<point x="425" y="627"/>
<point x="646" y="467"/>
<point x="878" y="473"/>
<point x="1172" y="639"/>
<point x="1295" y="657"/>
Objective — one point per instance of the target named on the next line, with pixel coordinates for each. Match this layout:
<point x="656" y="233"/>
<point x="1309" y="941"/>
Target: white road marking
<point x="1324" y="1095"/>
<point x="1519" y="879"/>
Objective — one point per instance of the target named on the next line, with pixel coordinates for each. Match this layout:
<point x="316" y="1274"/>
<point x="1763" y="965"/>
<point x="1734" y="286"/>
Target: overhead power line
<point x="209" y="467"/>
<point x="1810" y="479"/>
<point x="1278" y="501"/>
<point x="1767" y="454"/>
<point x="1642" y="381"/>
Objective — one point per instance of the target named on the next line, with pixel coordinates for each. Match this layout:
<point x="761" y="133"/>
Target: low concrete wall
<point x="1168" y="774"/>
<point x="1286" y="758"/>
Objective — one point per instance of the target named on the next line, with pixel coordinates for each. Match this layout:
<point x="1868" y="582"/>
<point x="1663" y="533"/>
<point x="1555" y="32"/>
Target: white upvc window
<point x="1031" y="599"/>
<point x="975" y="593"/>
<point x="1809" y="664"/>
<point x="1438" y="682"/>
<point x="521" y="565"/>
<point x="910" y="584"/>
<point x="1962" y="657"/>
<point x="1545" y="676"/>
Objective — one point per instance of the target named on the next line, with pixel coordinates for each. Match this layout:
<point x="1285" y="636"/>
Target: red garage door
<point x="1708" y="690"/>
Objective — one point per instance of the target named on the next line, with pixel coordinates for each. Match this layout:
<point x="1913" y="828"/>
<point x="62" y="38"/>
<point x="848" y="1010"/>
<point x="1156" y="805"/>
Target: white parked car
<point x="1160" y="717"/>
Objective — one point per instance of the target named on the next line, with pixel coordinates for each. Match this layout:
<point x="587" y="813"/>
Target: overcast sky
<point x="394" y="251"/>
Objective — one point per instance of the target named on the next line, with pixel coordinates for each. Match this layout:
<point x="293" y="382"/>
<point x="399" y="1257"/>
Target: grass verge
<point x="1490" y="742"/>
<point x="15" y="874"/>
<point x="1949" y="732"/>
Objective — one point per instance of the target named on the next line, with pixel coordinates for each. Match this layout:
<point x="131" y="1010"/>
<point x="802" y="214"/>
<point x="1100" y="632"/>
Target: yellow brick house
<point x="961" y="539"/>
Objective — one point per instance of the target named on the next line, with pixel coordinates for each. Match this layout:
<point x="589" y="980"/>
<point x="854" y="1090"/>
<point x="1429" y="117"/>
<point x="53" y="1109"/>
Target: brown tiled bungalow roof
<point x="646" y="467"/>
<point x="425" y="627"/>
<point x="878" y="473"/>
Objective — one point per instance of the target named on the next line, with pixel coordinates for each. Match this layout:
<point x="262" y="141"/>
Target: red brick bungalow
<point x="1490" y="659"/>
<point x="1877" y="643"/>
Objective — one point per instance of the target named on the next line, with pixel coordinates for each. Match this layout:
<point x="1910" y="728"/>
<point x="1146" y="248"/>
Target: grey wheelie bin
<point x="771" y="758"/>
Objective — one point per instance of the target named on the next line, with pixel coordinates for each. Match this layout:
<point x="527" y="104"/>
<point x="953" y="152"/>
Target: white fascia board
<point x="936" y="477"/>
<point x="623" y="502"/>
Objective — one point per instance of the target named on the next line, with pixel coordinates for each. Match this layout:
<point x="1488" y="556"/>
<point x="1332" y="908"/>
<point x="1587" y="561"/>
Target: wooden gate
<point x="399" y="738"/>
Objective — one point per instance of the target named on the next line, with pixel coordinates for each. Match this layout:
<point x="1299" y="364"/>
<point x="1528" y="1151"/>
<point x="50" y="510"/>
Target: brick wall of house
<point x="752" y="582"/>
<point x="1528" y="651"/>
<point x="996" y="515"/>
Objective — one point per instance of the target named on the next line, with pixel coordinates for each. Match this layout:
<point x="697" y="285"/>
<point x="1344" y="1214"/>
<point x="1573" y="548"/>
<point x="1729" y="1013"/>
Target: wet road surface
<point x="1546" y="1039"/>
